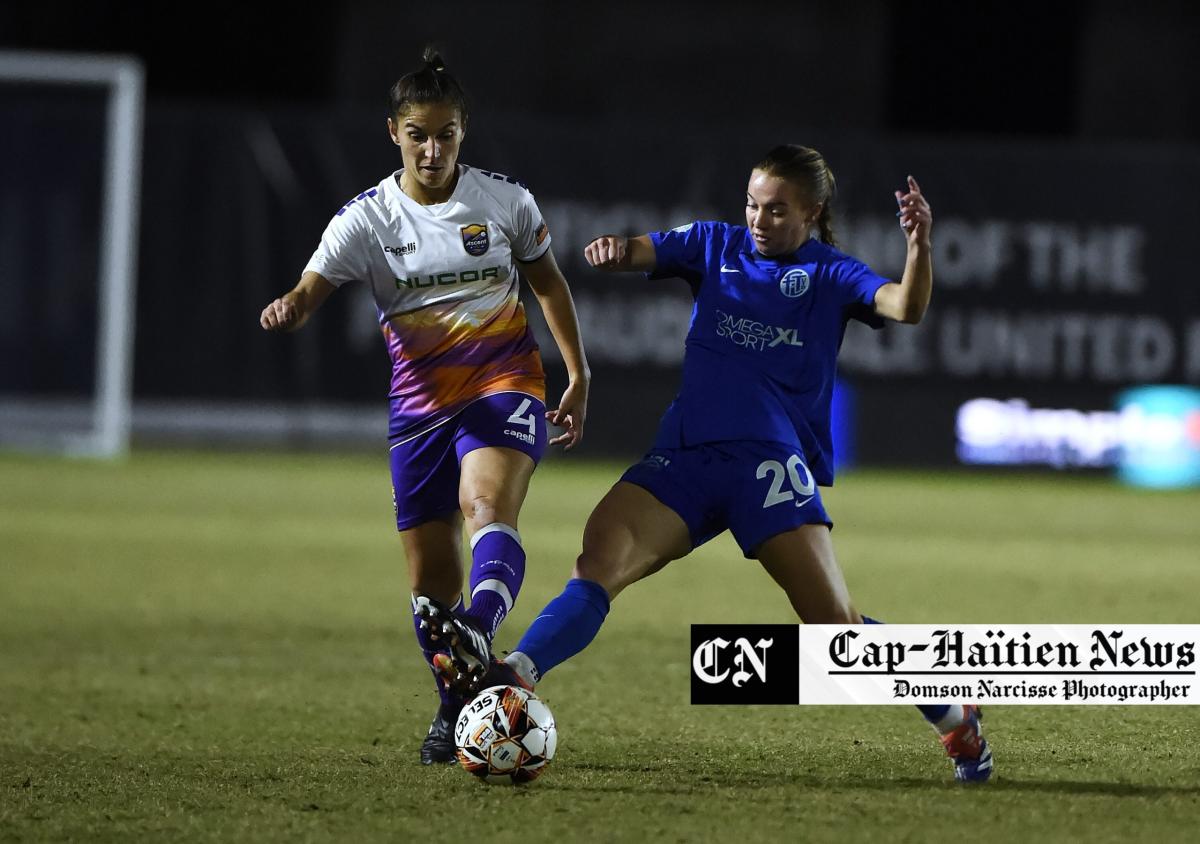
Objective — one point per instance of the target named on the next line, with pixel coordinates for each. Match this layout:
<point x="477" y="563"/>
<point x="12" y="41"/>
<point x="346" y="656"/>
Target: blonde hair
<point x="807" y="168"/>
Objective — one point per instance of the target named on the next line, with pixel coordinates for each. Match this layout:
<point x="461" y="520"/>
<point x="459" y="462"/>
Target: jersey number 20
<point x="798" y="476"/>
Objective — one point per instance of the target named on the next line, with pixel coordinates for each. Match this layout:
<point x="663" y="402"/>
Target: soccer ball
<point x="505" y="735"/>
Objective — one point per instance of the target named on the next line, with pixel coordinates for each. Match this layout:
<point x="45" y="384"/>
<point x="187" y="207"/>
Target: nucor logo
<point x="707" y="660"/>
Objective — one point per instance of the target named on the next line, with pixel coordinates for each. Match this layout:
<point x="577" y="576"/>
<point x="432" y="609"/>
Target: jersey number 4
<point x="797" y="476"/>
<point x="519" y="418"/>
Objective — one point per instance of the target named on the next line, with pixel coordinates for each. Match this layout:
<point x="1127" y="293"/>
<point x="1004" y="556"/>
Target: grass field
<point x="217" y="647"/>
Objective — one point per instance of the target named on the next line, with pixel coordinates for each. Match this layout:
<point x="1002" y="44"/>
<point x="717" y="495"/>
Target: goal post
<point x="106" y="431"/>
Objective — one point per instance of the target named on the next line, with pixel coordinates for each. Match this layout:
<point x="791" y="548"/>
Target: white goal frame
<point x="111" y="414"/>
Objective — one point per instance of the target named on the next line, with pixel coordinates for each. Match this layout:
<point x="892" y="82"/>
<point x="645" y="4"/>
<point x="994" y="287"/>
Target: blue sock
<point x="566" y="626"/>
<point x="933" y="712"/>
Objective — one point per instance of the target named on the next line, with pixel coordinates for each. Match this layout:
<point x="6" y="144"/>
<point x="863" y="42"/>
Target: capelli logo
<point x="745" y="663"/>
<point x="406" y="249"/>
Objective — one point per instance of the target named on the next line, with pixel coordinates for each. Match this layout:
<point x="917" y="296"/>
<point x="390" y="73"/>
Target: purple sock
<point x="497" y="569"/>
<point x="428" y="648"/>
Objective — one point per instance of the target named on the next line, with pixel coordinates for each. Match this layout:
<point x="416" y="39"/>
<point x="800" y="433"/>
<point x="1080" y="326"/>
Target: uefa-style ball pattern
<point x="505" y="735"/>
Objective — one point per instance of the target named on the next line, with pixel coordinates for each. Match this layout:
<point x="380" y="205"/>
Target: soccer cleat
<point x="470" y="652"/>
<point x="438" y="747"/>
<point x="500" y="673"/>
<point x="967" y="747"/>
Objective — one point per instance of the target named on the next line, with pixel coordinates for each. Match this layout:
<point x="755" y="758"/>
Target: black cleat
<point x="438" y="747"/>
<point x="470" y="652"/>
<point x="500" y="673"/>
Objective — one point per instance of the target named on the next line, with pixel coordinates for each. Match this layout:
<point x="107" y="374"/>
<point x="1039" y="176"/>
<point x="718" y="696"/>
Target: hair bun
<point x="432" y="60"/>
<point x="429" y="83"/>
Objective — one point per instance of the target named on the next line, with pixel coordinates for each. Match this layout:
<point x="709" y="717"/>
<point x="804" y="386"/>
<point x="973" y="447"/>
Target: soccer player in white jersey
<point x="747" y="443"/>
<point x="440" y="245"/>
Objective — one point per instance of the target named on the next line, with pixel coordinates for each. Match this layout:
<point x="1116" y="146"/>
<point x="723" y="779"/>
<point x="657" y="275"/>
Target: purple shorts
<point x="425" y="467"/>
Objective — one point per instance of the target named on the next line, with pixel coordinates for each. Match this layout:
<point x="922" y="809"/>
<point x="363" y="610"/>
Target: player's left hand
<point x="570" y="414"/>
<point x="606" y="252"/>
<point x="916" y="217"/>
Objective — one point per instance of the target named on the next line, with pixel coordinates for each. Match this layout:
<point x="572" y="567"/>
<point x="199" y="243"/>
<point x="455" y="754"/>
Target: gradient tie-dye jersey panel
<point x="445" y="280"/>
<point x="446" y="355"/>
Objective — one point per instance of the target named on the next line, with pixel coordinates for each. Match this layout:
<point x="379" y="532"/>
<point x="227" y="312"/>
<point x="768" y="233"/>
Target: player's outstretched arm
<point x="908" y="300"/>
<point x="621" y="254"/>
<point x="292" y="309"/>
<point x="550" y="288"/>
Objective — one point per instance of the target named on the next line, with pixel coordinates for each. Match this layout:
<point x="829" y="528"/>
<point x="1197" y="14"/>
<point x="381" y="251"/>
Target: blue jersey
<point x="762" y="347"/>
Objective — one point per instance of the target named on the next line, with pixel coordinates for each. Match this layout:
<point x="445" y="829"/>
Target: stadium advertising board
<point x="1060" y="271"/>
<point x="1047" y="292"/>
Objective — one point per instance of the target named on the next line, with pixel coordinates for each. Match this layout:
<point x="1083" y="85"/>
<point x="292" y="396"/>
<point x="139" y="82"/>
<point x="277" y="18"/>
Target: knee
<point x="479" y="510"/>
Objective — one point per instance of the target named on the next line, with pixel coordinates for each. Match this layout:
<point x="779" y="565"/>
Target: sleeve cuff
<point x="323" y="269"/>
<point x="542" y="249"/>
<point x="864" y="312"/>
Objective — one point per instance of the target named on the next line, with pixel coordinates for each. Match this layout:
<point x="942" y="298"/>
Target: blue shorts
<point x="425" y="467"/>
<point x="753" y="489"/>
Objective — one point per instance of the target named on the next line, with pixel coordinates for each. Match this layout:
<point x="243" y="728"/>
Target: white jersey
<point x="445" y="284"/>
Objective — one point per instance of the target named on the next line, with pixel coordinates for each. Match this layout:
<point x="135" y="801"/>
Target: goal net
<point x="70" y="166"/>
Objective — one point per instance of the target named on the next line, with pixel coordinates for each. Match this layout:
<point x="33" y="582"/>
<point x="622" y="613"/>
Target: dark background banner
<point x="1061" y="271"/>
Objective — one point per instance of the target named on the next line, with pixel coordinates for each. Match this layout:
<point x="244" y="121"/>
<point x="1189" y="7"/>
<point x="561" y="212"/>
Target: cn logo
<point x="706" y="660"/>
<point x="745" y="663"/>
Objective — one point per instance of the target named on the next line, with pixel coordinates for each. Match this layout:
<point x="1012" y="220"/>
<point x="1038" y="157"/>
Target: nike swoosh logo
<point x="726" y="269"/>
<point x="805" y="501"/>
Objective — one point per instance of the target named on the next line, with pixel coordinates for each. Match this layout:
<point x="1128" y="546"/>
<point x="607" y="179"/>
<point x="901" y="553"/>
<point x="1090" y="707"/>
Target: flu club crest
<point x="475" y="239"/>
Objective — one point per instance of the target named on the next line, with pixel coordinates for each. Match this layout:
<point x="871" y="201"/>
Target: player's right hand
<point x="606" y="252"/>
<point x="280" y="315"/>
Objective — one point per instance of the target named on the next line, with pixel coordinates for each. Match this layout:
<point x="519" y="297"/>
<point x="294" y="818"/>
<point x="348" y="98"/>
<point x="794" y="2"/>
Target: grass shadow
<point x="639" y="778"/>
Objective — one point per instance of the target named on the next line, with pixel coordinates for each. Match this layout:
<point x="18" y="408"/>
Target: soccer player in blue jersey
<point x="746" y="444"/>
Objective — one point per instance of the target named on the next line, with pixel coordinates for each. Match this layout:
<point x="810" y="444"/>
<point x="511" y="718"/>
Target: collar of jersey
<point x="438" y="208"/>
<point x="777" y="261"/>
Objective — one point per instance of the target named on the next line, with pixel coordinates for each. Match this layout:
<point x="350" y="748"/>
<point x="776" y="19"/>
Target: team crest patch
<point x="475" y="239"/>
<point x="794" y="283"/>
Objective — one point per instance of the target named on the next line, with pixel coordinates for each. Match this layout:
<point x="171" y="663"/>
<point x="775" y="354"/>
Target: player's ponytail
<point x="825" y="225"/>
<point x="430" y="84"/>
<point x="808" y="169"/>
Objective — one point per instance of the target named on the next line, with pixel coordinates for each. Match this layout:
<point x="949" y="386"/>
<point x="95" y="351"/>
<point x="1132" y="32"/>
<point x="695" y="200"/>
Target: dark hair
<point x="430" y="84"/>
<point x="805" y="167"/>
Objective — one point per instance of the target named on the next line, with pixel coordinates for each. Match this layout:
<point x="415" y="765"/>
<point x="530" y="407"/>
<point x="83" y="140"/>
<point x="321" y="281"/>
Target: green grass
<point x="217" y="647"/>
